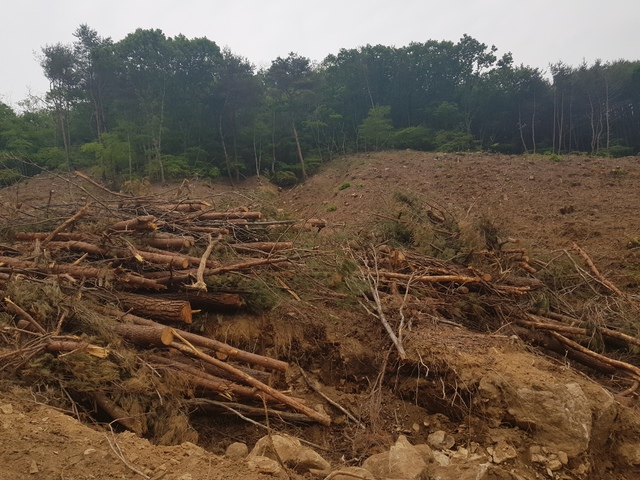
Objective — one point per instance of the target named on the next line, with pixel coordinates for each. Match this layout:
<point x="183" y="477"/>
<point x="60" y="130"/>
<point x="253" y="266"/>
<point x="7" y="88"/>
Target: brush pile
<point x="100" y="304"/>
<point x="100" y="293"/>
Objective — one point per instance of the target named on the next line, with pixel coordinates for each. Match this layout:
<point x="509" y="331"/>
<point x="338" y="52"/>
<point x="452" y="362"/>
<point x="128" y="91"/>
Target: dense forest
<point x="151" y="105"/>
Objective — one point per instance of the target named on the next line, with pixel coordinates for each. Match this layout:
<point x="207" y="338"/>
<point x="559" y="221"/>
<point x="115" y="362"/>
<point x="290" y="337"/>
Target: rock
<point x="558" y="415"/>
<point x="441" y="440"/>
<point x="267" y="466"/>
<point x="630" y="452"/>
<point x="425" y="452"/>
<point x="378" y="464"/>
<point x="554" y="464"/>
<point x="351" y="473"/>
<point x="441" y="459"/>
<point x="7" y="409"/>
<point x="502" y="452"/>
<point x="405" y="462"/>
<point x="33" y="467"/>
<point x="473" y="471"/>
<point x="237" y="450"/>
<point x="291" y="452"/>
<point x="563" y="457"/>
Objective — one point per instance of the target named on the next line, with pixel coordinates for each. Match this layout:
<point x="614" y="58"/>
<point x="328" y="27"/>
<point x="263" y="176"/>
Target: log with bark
<point x="102" y="275"/>
<point x="146" y="222"/>
<point x="200" y="341"/>
<point x="150" y="306"/>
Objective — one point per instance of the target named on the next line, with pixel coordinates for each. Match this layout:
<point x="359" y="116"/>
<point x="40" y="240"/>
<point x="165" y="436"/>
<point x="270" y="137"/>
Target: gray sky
<point x="537" y="32"/>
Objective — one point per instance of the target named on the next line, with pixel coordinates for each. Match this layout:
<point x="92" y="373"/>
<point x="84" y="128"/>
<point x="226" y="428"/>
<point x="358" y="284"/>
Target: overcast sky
<point x="537" y="32"/>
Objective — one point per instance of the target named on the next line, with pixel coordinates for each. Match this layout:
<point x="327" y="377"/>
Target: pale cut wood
<point x="266" y="247"/>
<point x="229" y="216"/>
<point x="139" y="223"/>
<point x="144" y="335"/>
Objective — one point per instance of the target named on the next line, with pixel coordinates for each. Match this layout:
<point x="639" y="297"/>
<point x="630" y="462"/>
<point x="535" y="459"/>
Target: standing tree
<point x="59" y="64"/>
<point x="293" y="81"/>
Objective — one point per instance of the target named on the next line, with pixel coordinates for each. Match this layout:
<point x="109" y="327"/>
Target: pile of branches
<point x="100" y="304"/>
<point x="503" y="295"/>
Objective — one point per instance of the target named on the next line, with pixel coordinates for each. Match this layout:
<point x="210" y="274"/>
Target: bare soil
<point x="540" y="204"/>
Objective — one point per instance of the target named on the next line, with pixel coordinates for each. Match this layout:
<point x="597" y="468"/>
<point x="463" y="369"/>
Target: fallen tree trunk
<point x="266" y="247"/>
<point x="118" y="413"/>
<point x="203" y="342"/>
<point x="144" y="335"/>
<point x="103" y="275"/>
<point x="151" y="306"/>
<point x="63" y="237"/>
<point x="167" y="241"/>
<point x="139" y="223"/>
<point x="229" y="216"/>
<point x="322" y="418"/>
<point x="207" y="300"/>
<point x="207" y="380"/>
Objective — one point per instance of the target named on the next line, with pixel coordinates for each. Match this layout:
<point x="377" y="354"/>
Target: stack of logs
<point x="135" y="264"/>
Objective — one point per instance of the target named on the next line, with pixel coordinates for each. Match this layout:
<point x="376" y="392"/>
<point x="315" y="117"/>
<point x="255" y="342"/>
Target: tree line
<point x="173" y="107"/>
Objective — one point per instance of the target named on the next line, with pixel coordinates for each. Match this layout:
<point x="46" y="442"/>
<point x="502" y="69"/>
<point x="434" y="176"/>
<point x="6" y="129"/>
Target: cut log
<point x="198" y="366"/>
<point x="79" y="214"/>
<point x="56" y="345"/>
<point x="119" y="414"/>
<point x="170" y="242"/>
<point x="203" y="342"/>
<point x="144" y="335"/>
<point x="156" y="308"/>
<point x="322" y="418"/>
<point x="206" y="380"/>
<point x="229" y="216"/>
<point x="460" y="279"/>
<point x="266" y="247"/>
<point x="216" y="301"/>
<point x="139" y="223"/>
<point x="185" y="207"/>
<point x="31" y="236"/>
<point x="107" y="275"/>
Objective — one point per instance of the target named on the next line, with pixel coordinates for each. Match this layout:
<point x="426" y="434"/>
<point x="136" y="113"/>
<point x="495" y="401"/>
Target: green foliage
<point x="284" y="179"/>
<point x="9" y="177"/>
<point x="376" y="129"/>
<point x="151" y="96"/>
<point x="449" y="141"/>
<point x="617" y="151"/>
<point x="415" y="138"/>
<point x="344" y="186"/>
<point x="331" y="208"/>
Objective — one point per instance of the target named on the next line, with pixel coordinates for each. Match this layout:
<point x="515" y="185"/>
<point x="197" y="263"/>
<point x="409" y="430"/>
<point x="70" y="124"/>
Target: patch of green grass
<point x="344" y="186"/>
<point x="331" y="208"/>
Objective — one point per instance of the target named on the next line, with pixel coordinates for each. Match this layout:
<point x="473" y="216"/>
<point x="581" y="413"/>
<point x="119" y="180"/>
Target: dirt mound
<point x="504" y="225"/>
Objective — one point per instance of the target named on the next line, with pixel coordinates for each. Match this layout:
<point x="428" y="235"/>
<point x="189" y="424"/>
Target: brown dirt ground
<point x="543" y="204"/>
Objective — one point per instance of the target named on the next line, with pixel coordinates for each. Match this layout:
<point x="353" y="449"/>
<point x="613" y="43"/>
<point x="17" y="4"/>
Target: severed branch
<point x="631" y="370"/>
<point x="188" y="348"/>
<point x="316" y="389"/>
<point x="200" y="283"/>
<point x="79" y="214"/>
<point x="595" y="270"/>
<point x="248" y="410"/>
<point x="373" y="283"/>
<point x="19" y="311"/>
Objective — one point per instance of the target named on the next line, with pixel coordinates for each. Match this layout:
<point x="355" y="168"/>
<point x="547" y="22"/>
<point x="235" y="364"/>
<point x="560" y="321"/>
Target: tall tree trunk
<point x="295" y="134"/>
<point x="533" y="124"/>
<point x="224" y="150"/>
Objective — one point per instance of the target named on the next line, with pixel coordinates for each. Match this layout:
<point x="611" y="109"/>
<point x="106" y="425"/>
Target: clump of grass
<point x="344" y="186"/>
